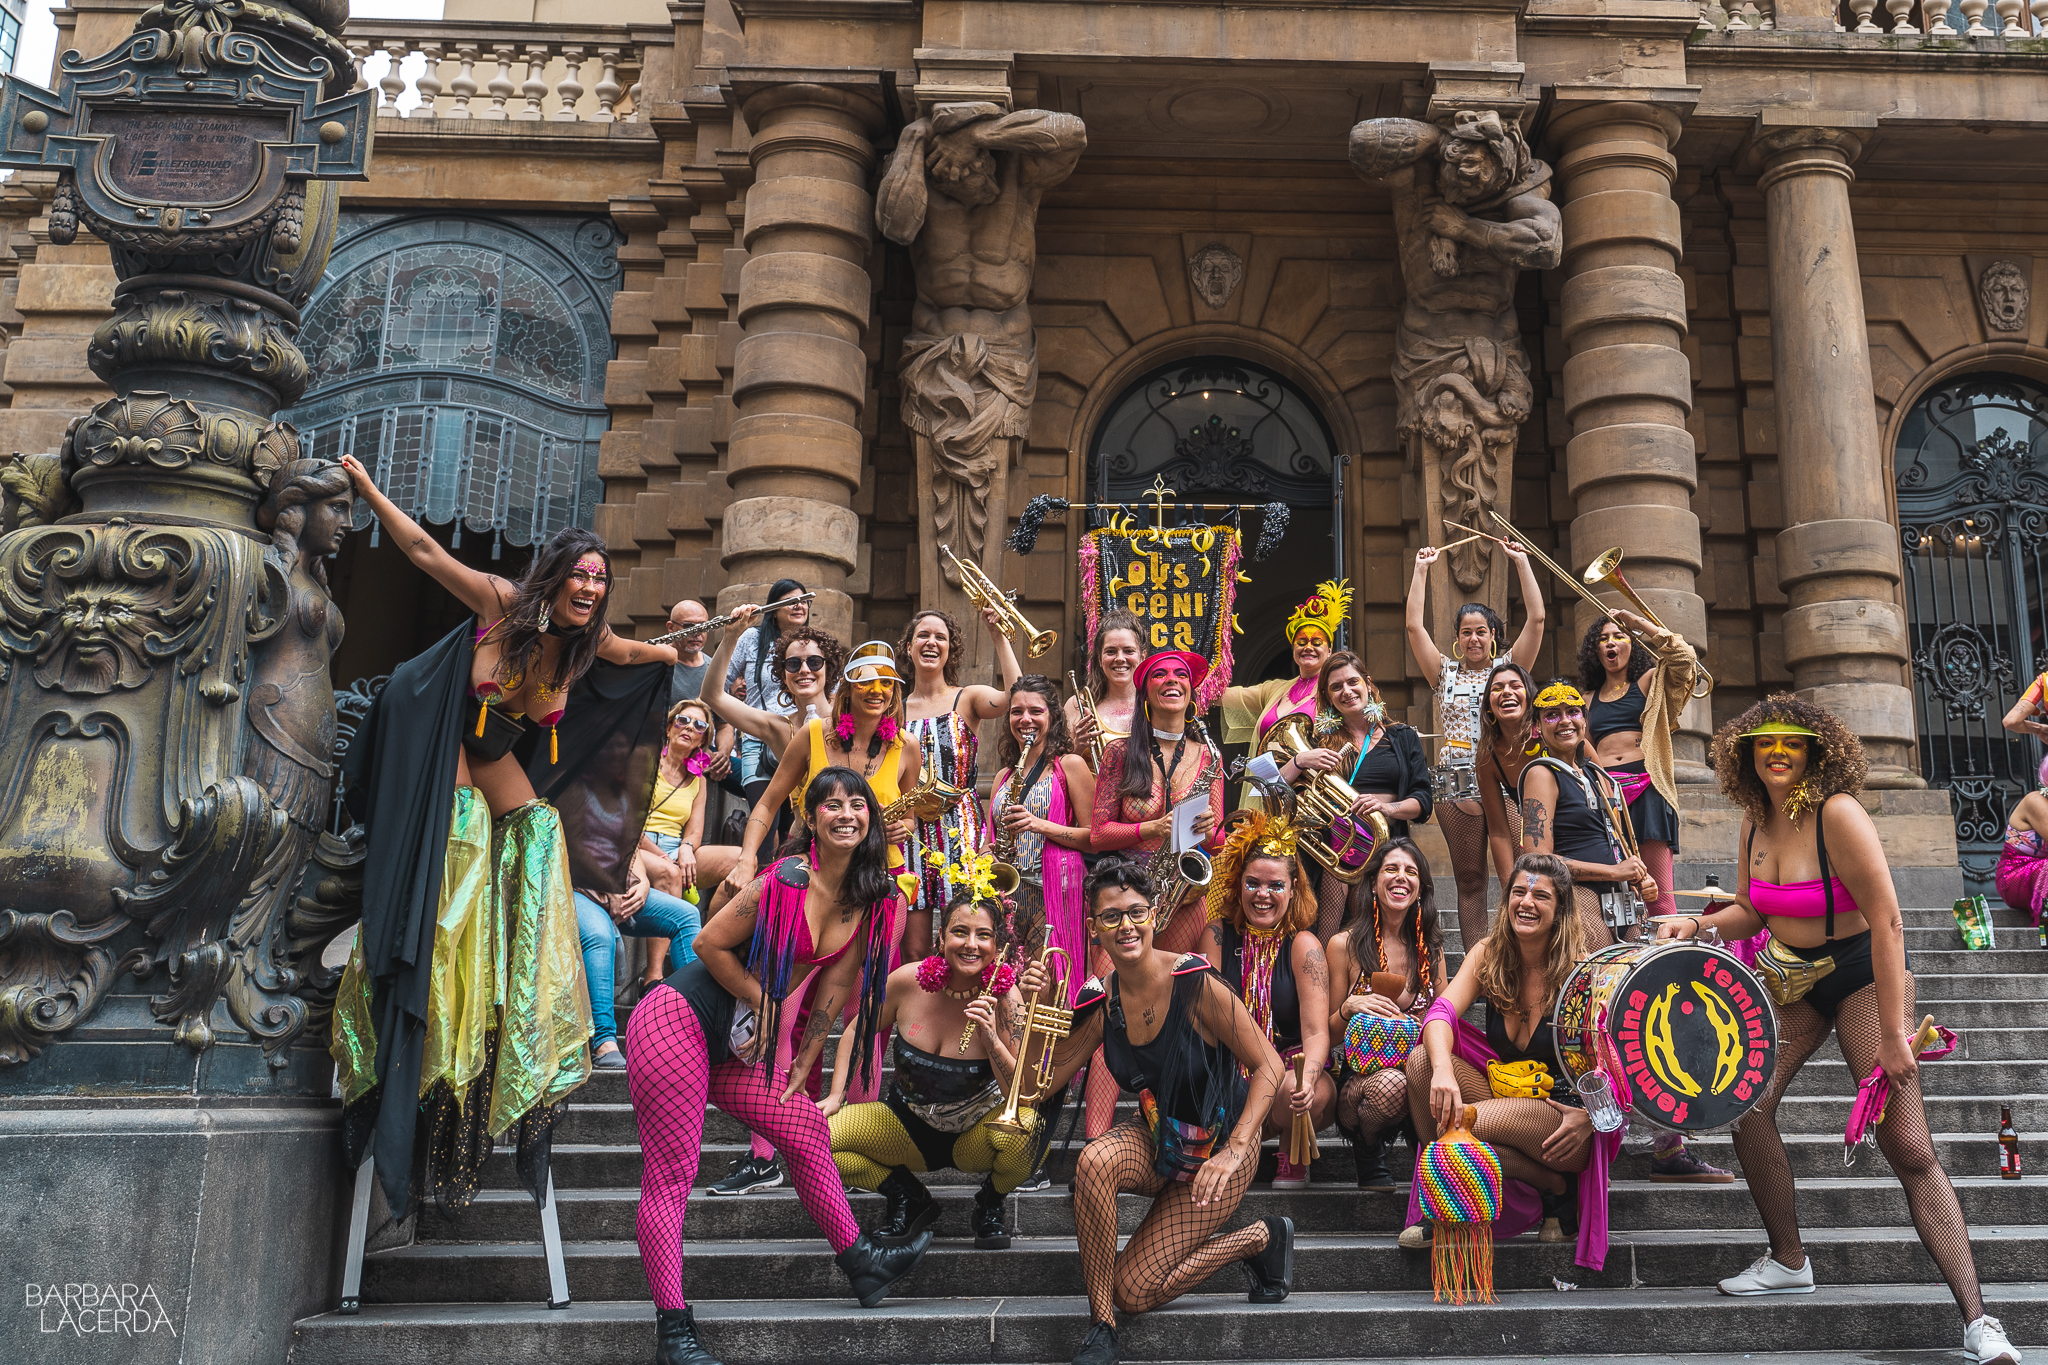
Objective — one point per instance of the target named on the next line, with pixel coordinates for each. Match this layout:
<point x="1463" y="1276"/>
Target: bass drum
<point x="1685" y="1033"/>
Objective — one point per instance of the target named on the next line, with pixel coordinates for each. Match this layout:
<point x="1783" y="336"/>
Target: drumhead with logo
<point x="1685" y="1032"/>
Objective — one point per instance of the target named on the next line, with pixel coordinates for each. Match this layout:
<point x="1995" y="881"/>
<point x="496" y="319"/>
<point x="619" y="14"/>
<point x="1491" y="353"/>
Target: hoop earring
<point x="543" y="618"/>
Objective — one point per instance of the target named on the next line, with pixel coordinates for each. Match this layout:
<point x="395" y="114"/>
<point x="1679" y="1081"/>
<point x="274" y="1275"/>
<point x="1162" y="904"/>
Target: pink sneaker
<point x="1288" y="1176"/>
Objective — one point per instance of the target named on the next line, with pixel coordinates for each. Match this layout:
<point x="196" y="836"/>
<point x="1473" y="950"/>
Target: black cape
<point x="400" y="774"/>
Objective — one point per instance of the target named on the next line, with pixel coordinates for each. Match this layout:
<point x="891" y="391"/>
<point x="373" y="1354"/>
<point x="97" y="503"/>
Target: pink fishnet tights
<point x="670" y="1080"/>
<point x="1902" y="1137"/>
<point x="1174" y="1249"/>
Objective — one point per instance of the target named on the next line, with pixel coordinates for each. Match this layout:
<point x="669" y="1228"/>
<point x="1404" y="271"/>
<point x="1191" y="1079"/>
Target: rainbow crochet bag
<point x="1376" y="1042"/>
<point x="1458" y="1183"/>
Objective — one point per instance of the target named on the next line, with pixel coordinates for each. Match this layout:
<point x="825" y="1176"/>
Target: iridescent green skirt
<point x="508" y="1012"/>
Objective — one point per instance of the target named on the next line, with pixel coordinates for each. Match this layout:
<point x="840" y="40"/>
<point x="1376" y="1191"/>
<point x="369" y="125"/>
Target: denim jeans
<point x="663" y="916"/>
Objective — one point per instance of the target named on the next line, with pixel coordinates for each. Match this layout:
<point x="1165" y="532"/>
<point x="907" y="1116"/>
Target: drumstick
<point x="1446" y="549"/>
<point x="1302" y="1139"/>
<point x="1456" y="527"/>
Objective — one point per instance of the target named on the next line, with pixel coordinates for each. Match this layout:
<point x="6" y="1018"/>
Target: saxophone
<point x="1002" y="843"/>
<point x="1175" y="874"/>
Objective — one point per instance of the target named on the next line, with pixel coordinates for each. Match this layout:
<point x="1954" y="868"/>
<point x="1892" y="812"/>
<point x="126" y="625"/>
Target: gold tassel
<point x="480" y="712"/>
<point x="554" y="747"/>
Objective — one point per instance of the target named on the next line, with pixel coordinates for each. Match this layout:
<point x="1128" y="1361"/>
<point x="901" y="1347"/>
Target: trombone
<point x="1605" y="571"/>
<point x="982" y="591"/>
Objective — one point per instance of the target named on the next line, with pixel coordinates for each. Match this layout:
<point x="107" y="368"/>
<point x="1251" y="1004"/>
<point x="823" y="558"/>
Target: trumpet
<point x="1085" y="700"/>
<point x="1325" y="800"/>
<point x="982" y="591"/>
<point x="1053" y="1021"/>
<point x="701" y="627"/>
<point x="1605" y="571"/>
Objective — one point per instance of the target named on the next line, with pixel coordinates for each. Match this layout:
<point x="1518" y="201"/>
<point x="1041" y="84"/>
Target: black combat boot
<point x="675" y="1339"/>
<point x="873" y="1270"/>
<point x="911" y="1209"/>
<point x="989" y="1232"/>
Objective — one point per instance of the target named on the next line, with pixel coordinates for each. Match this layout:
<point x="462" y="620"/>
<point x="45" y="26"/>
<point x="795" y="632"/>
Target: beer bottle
<point x="2008" y="1145"/>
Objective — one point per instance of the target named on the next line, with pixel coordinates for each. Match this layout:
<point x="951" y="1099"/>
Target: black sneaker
<point x="1033" y="1183"/>
<point x="1272" y="1270"/>
<point x="749" y="1175"/>
<point x="1680" y="1167"/>
<point x="1099" y="1346"/>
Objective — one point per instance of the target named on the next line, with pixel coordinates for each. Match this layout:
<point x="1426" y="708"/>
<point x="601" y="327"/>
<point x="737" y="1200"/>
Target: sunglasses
<point x="1137" y="916"/>
<point x="687" y="723"/>
<point x="875" y="685"/>
<point x="806" y="663"/>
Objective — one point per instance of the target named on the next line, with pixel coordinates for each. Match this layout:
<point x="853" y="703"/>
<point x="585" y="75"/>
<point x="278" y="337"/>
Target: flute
<point x="715" y="622"/>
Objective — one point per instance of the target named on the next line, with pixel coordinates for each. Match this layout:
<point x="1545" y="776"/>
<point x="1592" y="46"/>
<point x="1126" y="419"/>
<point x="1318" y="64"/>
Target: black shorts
<point x="1650" y="813"/>
<point x="934" y="1145"/>
<point x="1853" y="971"/>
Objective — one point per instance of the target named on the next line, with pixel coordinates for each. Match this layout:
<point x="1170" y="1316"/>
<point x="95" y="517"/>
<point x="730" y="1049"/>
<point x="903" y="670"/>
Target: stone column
<point x="1630" y="464"/>
<point x="800" y="373"/>
<point x="1838" y="558"/>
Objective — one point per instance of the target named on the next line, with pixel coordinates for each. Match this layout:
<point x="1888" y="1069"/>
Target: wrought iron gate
<point x="1972" y="479"/>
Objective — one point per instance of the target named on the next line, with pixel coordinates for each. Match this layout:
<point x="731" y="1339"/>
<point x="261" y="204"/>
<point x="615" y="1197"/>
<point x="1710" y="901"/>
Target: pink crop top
<point x="1799" y="900"/>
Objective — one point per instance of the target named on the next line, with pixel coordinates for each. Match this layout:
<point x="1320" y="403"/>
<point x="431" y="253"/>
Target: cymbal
<point x="1712" y="893"/>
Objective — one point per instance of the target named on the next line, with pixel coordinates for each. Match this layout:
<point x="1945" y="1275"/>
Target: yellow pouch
<point x="1788" y="976"/>
<point x="1528" y="1080"/>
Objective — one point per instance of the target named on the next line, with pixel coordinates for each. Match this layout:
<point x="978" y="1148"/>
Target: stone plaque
<point x="184" y="158"/>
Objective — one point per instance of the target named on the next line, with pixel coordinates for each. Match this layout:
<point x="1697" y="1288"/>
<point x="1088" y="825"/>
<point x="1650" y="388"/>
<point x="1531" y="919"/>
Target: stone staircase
<point x="473" y="1286"/>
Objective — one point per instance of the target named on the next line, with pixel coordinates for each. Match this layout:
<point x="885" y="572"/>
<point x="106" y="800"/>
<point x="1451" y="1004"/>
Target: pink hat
<point x="1197" y="666"/>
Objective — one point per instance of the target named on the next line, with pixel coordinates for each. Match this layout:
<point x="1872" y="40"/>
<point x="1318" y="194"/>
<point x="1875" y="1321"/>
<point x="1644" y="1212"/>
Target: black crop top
<point x="1578" y="827"/>
<point x="927" y="1078"/>
<point x="1188" y="1077"/>
<point x="1286" y="1002"/>
<point x="1625" y="713"/>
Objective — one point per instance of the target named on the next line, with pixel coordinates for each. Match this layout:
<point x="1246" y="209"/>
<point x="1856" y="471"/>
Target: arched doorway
<point x="1221" y="429"/>
<point x="1971" y="469"/>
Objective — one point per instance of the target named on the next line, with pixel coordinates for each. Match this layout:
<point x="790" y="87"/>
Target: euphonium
<point x="1054" y="1021"/>
<point x="1324" y="801"/>
<point x="982" y="591"/>
<point x="1176" y="873"/>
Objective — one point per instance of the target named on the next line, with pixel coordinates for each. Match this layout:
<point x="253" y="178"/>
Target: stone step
<point x="1329" y="1263"/>
<point x="579" y="1166"/>
<point x="606" y="1214"/>
<point x="1309" y="1326"/>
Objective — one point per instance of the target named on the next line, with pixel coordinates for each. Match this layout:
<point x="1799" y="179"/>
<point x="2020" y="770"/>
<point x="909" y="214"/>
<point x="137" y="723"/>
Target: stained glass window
<point x="462" y="360"/>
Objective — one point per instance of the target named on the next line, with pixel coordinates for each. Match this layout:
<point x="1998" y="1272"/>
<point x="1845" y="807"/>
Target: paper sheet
<point x="1190" y="809"/>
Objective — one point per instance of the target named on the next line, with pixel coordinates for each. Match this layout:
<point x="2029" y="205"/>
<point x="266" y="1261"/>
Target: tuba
<point x="982" y="591"/>
<point x="1325" y="801"/>
<point x="1051" y="1022"/>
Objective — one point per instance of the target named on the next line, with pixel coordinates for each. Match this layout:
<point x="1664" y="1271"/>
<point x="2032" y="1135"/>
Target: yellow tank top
<point x="887" y="771"/>
<point x="670" y="813"/>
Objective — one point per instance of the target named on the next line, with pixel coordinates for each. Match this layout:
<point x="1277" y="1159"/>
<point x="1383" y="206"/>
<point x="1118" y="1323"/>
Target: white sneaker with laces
<point x="1984" y="1343"/>
<point x="1766" y="1276"/>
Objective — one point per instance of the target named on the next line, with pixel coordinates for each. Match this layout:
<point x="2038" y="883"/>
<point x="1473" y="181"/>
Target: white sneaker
<point x="1766" y="1276"/>
<point x="1984" y="1343"/>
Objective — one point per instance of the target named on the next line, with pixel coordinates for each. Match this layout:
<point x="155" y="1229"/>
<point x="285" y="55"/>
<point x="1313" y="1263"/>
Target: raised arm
<point x="1531" y="639"/>
<point x="1427" y="656"/>
<point x="900" y="200"/>
<point x="615" y="648"/>
<point x="796" y="759"/>
<point x="485" y="594"/>
<point x="1049" y="143"/>
<point x="1531" y="238"/>
<point x="980" y="702"/>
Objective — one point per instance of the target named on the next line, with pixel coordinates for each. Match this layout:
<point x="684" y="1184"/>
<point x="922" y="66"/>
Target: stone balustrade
<point x="519" y="72"/>
<point x="1933" y="19"/>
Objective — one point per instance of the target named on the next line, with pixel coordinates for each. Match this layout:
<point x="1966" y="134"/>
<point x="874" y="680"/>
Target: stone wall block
<point x="1612" y="218"/>
<point x="804" y="528"/>
<point x="795" y="279"/>
<point x="66" y="289"/>
<point x="776" y="442"/>
<point x="1843" y="630"/>
<point x="1825" y="549"/>
<point x="800" y="360"/>
<point x="1630" y="371"/>
<point x="1646" y="532"/>
<point x="1620" y="294"/>
<point x="1628" y="451"/>
<point x="1881" y="711"/>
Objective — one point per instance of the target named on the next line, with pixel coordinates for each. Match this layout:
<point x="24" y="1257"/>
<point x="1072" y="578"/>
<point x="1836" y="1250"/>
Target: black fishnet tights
<point x="1464" y="828"/>
<point x="1369" y="1105"/>
<point x="1181" y="931"/>
<point x="1333" y="906"/>
<point x="1902" y="1137"/>
<point x="1592" y="928"/>
<point x="1174" y="1249"/>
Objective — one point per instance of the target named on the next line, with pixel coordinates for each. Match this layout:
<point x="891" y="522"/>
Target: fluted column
<point x="800" y="373"/>
<point x="1630" y="466"/>
<point x="1838" y="556"/>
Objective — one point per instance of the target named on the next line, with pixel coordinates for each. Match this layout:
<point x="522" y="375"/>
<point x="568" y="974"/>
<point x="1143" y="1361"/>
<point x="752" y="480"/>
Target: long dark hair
<point x="518" y="631"/>
<point x="1136" y="778"/>
<point x="951" y="671"/>
<point x="1055" y="741"/>
<point x="1420" y="928"/>
<point x="1593" y="673"/>
<point x="769" y="628"/>
<point x="867" y="872"/>
<point x="1489" y="724"/>
<point x="1116" y="618"/>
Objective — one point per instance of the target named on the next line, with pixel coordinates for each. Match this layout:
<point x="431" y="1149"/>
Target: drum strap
<point x="1820" y="846"/>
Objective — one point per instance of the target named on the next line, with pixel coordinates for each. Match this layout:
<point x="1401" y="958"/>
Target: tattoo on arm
<point x="823" y="1016"/>
<point x="1318" y="970"/>
<point x="417" y="541"/>
<point x="1534" y="821"/>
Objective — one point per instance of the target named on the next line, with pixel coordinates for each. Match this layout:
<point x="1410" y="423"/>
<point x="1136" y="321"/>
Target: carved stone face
<point x="962" y="171"/>
<point x="2002" y="293"/>
<point x="1215" y="271"/>
<point x="1469" y="170"/>
<point x="96" y="640"/>
<point x="326" y="522"/>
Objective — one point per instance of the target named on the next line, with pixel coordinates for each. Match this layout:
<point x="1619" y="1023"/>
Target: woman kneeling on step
<point x="1205" y="1077"/>
<point x="957" y="1017"/>
<point x="1814" y="874"/>
<point x="741" y="1028"/>
<point x="1533" y="1120"/>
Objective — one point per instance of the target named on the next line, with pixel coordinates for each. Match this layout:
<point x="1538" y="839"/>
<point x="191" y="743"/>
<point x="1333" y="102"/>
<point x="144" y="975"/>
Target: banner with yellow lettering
<point x="1181" y="584"/>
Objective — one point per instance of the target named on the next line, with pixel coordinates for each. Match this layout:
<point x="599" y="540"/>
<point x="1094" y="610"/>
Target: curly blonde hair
<point x="1500" y="971"/>
<point x="1838" y="766"/>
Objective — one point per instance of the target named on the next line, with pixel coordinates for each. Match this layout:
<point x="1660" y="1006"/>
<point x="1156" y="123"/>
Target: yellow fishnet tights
<point x="869" y="1140"/>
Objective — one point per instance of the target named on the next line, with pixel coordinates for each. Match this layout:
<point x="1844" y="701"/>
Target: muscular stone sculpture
<point x="1471" y="209"/>
<point x="962" y="192"/>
